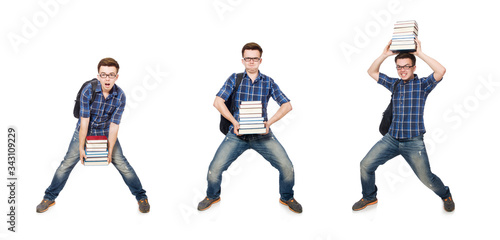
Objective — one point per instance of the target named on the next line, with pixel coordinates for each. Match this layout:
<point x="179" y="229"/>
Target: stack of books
<point x="403" y="38"/>
<point x="96" y="151"/>
<point x="251" y="120"/>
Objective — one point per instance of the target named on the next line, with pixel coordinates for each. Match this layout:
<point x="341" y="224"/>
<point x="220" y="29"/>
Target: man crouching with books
<point x="100" y="117"/>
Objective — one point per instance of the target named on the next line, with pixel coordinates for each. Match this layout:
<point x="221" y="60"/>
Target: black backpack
<point x="224" y="123"/>
<point x="386" y="122"/>
<point x="76" y="109"/>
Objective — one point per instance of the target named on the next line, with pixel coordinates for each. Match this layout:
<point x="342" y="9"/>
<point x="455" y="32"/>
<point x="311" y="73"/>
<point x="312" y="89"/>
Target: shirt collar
<point x="112" y="91"/>
<point x="259" y="76"/>
<point x="414" y="77"/>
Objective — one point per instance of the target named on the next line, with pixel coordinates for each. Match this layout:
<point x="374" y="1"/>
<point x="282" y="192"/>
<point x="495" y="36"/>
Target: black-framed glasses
<point x="111" y="75"/>
<point x="405" y="67"/>
<point x="248" y="59"/>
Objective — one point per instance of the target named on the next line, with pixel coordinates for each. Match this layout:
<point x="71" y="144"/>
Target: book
<point x="404" y="35"/>
<point x="96" y="159"/>
<point x="96" y="151"/>
<point x="97" y="139"/>
<point x="96" y="163"/>
<point x="251" y="120"/>
<point x="251" y="110"/>
<point x="246" y="126"/>
<point x="252" y="131"/>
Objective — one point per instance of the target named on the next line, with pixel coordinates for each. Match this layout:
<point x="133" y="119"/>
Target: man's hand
<point x="236" y="128"/>
<point x="418" y="50"/>
<point x="82" y="155"/>
<point x="267" y="128"/>
<point x="109" y="157"/>
<point x="388" y="52"/>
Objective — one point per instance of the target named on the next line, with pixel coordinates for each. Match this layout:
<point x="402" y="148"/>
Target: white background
<point x="170" y="129"/>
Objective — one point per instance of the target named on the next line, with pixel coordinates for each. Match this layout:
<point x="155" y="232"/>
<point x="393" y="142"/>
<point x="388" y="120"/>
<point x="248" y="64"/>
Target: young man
<point x="405" y="136"/>
<point x="254" y="86"/>
<point x="101" y="118"/>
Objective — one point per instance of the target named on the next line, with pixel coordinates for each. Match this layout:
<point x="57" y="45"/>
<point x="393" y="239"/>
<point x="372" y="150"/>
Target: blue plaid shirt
<point x="408" y="104"/>
<point x="103" y="111"/>
<point x="261" y="89"/>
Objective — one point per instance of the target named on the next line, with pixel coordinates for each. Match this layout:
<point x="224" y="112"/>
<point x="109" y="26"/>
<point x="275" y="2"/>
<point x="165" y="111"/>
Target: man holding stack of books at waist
<point x="255" y="89"/>
<point x="100" y="117"/>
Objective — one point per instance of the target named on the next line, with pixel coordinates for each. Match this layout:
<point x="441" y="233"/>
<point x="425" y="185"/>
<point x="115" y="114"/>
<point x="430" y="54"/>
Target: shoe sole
<point x="368" y="204"/>
<point x="216" y="201"/>
<point x="281" y="201"/>
<point x="52" y="204"/>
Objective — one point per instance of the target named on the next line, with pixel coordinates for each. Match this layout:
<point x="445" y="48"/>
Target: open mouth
<point x="107" y="84"/>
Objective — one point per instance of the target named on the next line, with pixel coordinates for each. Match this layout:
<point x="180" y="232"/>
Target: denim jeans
<point x="73" y="157"/>
<point x="413" y="151"/>
<point x="266" y="145"/>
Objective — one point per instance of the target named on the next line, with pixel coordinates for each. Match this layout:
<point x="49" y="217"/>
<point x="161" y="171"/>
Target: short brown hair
<point x="406" y="55"/>
<point x="108" y="62"/>
<point x="251" y="46"/>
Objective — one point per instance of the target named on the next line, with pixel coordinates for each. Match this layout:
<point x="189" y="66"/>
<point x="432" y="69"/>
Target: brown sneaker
<point x="44" y="205"/>
<point x="143" y="205"/>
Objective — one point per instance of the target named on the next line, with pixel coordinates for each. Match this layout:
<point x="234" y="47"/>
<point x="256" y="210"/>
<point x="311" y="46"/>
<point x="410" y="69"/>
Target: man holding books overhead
<point x="406" y="132"/>
<point x="250" y="128"/>
<point x="101" y="109"/>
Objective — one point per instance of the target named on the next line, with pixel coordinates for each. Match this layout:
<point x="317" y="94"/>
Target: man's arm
<point x="219" y="103"/>
<point x="112" y="136"/>
<point x="373" y="71"/>
<point x="438" y="69"/>
<point x="82" y="134"/>
<point x="282" y="111"/>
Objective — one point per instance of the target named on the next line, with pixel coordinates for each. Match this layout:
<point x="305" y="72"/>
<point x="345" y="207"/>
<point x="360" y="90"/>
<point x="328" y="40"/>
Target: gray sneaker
<point x="363" y="203"/>
<point x="448" y="203"/>
<point x="207" y="203"/>
<point x="44" y="205"/>
<point x="293" y="205"/>
<point x="143" y="205"/>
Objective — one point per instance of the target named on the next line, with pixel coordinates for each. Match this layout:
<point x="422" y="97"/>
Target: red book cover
<point x="97" y="139"/>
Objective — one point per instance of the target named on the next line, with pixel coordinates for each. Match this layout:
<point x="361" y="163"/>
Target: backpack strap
<point x="239" y="78"/>
<point x="395" y="88"/>
<point x="94" y="87"/>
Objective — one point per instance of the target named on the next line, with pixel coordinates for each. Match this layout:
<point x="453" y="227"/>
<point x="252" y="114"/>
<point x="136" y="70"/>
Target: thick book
<point x="250" y="115"/>
<point x="97" y="139"/>
<point x="250" y="102"/>
<point x="96" y="149"/>
<point x="97" y="145"/>
<point x="246" y="126"/>
<point x="256" y="106"/>
<point x="404" y="35"/>
<point x="250" y="110"/>
<point x="252" y="131"/>
<point x="95" y="163"/>
<point x="96" y="159"/>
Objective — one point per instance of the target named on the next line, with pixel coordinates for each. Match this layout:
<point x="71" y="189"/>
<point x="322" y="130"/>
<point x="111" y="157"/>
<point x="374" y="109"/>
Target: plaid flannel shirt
<point x="408" y="104"/>
<point x="261" y="90"/>
<point x="103" y="111"/>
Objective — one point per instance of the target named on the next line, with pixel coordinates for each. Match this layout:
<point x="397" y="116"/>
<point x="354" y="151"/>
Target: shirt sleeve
<point x="386" y="81"/>
<point x="277" y="94"/>
<point x="227" y="88"/>
<point x="429" y="83"/>
<point x="117" y="114"/>
<point x="85" y="97"/>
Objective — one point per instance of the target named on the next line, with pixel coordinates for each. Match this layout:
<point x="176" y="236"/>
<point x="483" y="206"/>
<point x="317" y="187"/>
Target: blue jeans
<point x="266" y="145"/>
<point x="73" y="157"/>
<point x="413" y="151"/>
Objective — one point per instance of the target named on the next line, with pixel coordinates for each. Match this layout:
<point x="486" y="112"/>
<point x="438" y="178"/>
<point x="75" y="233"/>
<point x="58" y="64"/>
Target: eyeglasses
<point x="405" y="67"/>
<point x="111" y="75"/>
<point x="248" y="59"/>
